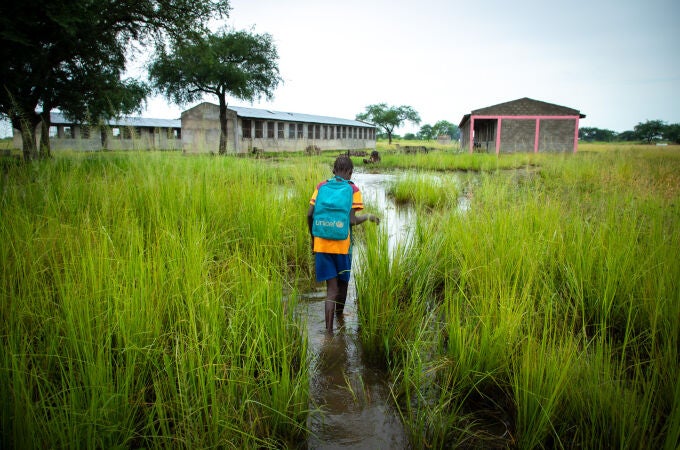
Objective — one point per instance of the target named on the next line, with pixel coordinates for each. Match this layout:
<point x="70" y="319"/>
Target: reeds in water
<point x="547" y="315"/>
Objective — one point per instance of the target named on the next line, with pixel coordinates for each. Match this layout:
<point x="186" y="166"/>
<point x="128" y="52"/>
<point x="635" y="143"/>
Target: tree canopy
<point x="239" y="63"/>
<point x="389" y="117"/>
<point x="71" y="54"/>
<point x="591" y="134"/>
<point x="672" y="133"/>
<point x="649" y="131"/>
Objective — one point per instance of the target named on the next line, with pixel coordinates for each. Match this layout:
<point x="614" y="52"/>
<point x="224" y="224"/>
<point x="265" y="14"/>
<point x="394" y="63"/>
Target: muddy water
<point x="350" y="398"/>
<point x="351" y="402"/>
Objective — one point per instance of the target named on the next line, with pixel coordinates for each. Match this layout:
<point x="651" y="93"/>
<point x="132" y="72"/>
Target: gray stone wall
<point x="517" y="135"/>
<point x="556" y="135"/>
<point x="93" y="138"/>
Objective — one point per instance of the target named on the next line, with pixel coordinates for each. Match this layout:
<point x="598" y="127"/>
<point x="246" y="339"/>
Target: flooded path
<point x="351" y="400"/>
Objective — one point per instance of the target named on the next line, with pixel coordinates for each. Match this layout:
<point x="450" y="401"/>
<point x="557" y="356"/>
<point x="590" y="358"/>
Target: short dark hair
<point x="343" y="163"/>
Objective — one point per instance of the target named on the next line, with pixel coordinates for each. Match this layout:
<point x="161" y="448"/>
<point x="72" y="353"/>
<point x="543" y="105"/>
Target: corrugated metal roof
<point x="60" y="119"/>
<point x="242" y="111"/>
<point x="266" y="114"/>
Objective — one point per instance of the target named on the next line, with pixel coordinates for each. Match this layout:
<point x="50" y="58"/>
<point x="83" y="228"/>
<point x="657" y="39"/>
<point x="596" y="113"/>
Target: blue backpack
<point x="332" y="209"/>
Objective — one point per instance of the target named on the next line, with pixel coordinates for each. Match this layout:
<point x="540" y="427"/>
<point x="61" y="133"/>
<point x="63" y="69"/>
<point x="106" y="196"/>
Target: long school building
<point x="127" y="133"/>
<point x="251" y="129"/>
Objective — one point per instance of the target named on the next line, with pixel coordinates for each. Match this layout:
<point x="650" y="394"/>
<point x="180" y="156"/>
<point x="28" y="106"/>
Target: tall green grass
<point x="147" y="301"/>
<point x="426" y="190"/>
<point x="143" y="302"/>
<point x="447" y="160"/>
<point x="545" y="316"/>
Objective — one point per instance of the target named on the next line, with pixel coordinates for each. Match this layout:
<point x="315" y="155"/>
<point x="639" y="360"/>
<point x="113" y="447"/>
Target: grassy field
<point x="147" y="298"/>
<point x="547" y="315"/>
<point x="142" y="302"/>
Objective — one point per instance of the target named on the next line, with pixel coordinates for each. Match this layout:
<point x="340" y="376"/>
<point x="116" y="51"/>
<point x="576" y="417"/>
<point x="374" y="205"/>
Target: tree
<point x="591" y="134"/>
<point x="627" y="136"/>
<point x="240" y="64"/>
<point x="672" y="133"/>
<point x="389" y="117"/>
<point x="444" y="127"/>
<point x="426" y="133"/>
<point x="68" y="54"/>
<point x="651" y="130"/>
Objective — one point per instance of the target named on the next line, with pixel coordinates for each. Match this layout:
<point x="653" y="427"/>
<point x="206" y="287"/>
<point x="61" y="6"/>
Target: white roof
<point x="266" y="114"/>
<point x="60" y="119"/>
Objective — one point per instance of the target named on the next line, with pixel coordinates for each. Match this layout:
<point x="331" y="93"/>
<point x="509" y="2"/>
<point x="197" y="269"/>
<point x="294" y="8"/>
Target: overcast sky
<point x="618" y="62"/>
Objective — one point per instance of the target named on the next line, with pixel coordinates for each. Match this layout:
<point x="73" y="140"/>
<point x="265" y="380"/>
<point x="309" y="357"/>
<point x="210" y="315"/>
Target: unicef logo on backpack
<point x="332" y="209"/>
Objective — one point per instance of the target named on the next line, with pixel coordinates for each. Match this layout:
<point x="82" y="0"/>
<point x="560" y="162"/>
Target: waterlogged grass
<point x="426" y="190"/>
<point x="547" y="315"/>
<point x="142" y="302"/>
<point x="447" y="160"/>
<point x="147" y="300"/>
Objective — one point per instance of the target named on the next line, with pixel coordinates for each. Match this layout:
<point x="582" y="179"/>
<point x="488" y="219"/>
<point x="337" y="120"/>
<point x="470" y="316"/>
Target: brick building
<point x="522" y="125"/>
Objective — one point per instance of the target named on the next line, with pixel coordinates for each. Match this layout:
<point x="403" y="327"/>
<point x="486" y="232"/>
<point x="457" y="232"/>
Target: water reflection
<point x="351" y="400"/>
<point x="398" y="221"/>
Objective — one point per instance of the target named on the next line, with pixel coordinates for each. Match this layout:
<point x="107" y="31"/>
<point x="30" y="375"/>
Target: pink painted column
<point x="538" y="130"/>
<point x="498" y="136"/>
<point x="472" y="133"/>
<point x="576" y="134"/>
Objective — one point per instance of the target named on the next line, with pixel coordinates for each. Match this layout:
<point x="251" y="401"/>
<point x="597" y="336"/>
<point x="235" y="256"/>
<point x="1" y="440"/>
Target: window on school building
<point x="291" y="131"/>
<point x="310" y="131"/>
<point x="115" y="132"/>
<point x="317" y="132"/>
<point x="270" y="130"/>
<point x="84" y="132"/>
<point x="300" y="131"/>
<point x="259" y="132"/>
<point x="332" y="133"/>
<point x="247" y="126"/>
<point x="325" y="132"/>
<point x="280" y="130"/>
<point x="54" y="131"/>
<point x="68" y="132"/>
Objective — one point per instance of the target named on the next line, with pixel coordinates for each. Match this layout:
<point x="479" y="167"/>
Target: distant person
<point x="331" y="215"/>
<point x="375" y="158"/>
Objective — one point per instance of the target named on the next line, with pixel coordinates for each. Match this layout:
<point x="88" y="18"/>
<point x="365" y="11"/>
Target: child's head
<point x="343" y="167"/>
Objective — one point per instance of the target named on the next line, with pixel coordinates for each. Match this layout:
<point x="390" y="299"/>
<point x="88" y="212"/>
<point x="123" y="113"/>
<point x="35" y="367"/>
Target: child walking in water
<point x="333" y="258"/>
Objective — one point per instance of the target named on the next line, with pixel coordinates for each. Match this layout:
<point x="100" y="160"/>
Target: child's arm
<point x="310" y="223"/>
<point x="358" y="220"/>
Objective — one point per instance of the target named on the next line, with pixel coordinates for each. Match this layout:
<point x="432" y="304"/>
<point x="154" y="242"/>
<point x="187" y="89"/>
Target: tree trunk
<point x="223" y="125"/>
<point x="27" y="125"/>
<point x="45" y="151"/>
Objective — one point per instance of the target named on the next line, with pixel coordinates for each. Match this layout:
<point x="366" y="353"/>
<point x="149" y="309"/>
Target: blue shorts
<point x="329" y="265"/>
